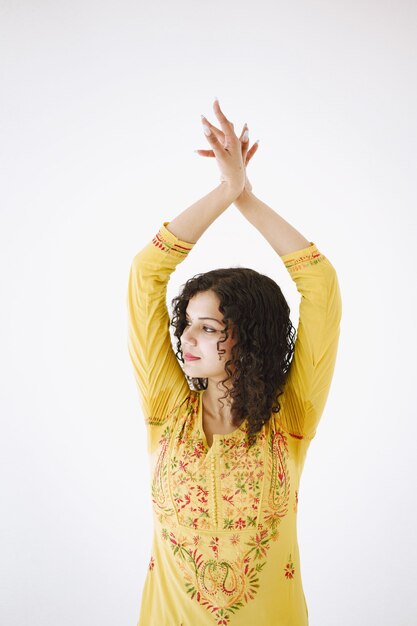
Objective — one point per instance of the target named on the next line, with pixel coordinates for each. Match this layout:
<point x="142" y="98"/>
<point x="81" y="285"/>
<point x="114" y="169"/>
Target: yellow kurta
<point x="225" y="548"/>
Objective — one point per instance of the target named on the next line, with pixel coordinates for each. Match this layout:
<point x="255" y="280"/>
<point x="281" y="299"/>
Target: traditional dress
<point x="225" y="548"/>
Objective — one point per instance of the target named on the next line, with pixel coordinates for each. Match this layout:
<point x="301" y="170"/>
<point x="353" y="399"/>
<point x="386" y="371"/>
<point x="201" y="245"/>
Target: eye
<point x="206" y="328"/>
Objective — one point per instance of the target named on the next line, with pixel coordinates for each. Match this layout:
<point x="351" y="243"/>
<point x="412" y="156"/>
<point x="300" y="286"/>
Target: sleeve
<point x="159" y="377"/>
<point x="311" y="370"/>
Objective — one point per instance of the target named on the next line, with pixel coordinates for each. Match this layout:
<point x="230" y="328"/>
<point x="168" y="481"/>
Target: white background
<point x="100" y="113"/>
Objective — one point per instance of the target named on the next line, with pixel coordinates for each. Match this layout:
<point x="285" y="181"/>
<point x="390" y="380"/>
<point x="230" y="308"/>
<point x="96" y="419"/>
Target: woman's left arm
<point x="311" y="370"/>
<point x="283" y="237"/>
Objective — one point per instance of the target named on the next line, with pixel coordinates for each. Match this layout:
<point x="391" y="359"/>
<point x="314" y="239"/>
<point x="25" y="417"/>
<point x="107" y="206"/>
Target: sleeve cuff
<point x="169" y="243"/>
<point x="300" y="259"/>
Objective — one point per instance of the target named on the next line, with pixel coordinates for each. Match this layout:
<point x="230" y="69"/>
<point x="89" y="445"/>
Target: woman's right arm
<point x="194" y="221"/>
<point x="160" y="379"/>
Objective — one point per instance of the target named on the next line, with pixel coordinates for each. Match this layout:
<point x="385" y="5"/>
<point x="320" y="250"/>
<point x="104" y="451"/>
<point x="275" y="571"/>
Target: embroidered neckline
<point x="241" y="429"/>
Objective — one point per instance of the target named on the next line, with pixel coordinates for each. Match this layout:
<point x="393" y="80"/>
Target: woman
<point x="229" y="431"/>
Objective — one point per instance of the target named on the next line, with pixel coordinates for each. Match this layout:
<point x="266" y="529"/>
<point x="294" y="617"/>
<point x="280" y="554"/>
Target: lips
<point x="190" y="357"/>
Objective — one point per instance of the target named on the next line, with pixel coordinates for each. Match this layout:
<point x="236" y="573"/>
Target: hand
<point x="247" y="153"/>
<point x="226" y="148"/>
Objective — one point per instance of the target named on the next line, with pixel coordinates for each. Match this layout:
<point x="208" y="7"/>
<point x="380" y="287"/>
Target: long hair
<point x="255" y="309"/>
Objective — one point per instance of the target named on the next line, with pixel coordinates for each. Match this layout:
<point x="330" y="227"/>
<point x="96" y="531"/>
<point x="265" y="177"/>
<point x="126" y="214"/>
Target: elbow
<point x="334" y="297"/>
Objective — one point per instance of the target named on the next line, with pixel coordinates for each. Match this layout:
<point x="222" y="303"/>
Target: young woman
<point x="229" y="429"/>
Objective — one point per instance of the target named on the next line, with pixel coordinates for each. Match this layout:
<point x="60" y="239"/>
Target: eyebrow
<point x="206" y="318"/>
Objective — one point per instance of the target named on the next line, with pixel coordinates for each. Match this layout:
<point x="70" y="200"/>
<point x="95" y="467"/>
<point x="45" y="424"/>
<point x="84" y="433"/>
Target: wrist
<point x="233" y="191"/>
<point x="243" y="198"/>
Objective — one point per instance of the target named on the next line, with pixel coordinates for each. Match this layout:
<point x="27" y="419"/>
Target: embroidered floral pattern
<point x="208" y="492"/>
<point x="161" y="503"/>
<point x="151" y="563"/>
<point x="164" y="242"/>
<point x="289" y="568"/>
<point x="221" y="585"/>
<point x="200" y="491"/>
<point x="312" y="257"/>
<point x="279" y="491"/>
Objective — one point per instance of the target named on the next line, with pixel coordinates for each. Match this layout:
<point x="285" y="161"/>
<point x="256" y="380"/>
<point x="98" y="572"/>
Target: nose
<point x="187" y="336"/>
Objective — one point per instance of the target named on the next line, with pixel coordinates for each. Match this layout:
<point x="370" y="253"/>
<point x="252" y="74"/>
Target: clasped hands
<point x="232" y="153"/>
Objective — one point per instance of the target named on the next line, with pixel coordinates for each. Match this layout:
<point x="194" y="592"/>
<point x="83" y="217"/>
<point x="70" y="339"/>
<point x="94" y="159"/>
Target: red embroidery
<point x="171" y="247"/>
<point x="221" y="585"/>
<point x="289" y="568"/>
<point x="193" y="491"/>
<point x="296" y="263"/>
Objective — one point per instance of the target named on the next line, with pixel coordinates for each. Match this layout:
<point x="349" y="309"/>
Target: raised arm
<point x="318" y="330"/>
<point x="311" y="370"/>
<point x="159" y="376"/>
<point x="192" y="222"/>
<point x="160" y="380"/>
<point x="283" y="237"/>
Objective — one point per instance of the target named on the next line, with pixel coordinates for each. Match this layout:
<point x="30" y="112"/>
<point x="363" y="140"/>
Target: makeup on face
<point x="203" y="331"/>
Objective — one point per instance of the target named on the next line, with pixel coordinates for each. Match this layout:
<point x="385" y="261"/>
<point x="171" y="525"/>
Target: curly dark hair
<point x="254" y="307"/>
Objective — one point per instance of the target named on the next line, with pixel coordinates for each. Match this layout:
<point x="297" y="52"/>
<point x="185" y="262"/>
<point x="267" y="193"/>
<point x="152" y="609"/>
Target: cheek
<point x="228" y="344"/>
<point x="214" y="343"/>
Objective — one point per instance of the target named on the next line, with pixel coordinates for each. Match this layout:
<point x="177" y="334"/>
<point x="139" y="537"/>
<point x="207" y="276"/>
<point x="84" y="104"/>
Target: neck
<point x="213" y="408"/>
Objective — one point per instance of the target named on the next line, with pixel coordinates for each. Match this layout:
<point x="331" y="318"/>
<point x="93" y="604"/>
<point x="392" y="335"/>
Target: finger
<point x="244" y="144"/>
<point x="207" y="153"/>
<point x="227" y="126"/>
<point x="244" y="137"/>
<point x="211" y="136"/>
<point x="215" y="130"/>
<point x="252" y="151"/>
<point x="244" y="130"/>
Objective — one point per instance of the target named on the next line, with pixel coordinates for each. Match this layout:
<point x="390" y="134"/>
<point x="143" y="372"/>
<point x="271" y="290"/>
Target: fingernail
<point x="216" y="98"/>
<point x="206" y="129"/>
<point x="245" y="136"/>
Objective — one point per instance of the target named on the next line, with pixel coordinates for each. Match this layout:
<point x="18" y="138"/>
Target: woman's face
<point x="201" y="335"/>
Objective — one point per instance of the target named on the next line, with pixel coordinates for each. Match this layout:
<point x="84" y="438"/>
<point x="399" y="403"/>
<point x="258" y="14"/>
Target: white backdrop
<point x="100" y="114"/>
